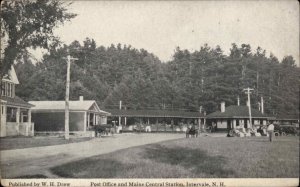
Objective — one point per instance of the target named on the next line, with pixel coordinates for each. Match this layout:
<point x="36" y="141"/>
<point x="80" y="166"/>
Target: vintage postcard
<point x="149" y="93"/>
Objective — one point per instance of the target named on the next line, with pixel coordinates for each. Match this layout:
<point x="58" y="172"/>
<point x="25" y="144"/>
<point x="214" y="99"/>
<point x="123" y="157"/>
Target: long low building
<point x="49" y="116"/>
<point x="129" y="117"/>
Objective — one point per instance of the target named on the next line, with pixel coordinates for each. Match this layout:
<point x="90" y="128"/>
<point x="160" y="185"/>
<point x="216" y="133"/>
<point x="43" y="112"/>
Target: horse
<point x="191" y="131"/>
<point x="99" y="129"/>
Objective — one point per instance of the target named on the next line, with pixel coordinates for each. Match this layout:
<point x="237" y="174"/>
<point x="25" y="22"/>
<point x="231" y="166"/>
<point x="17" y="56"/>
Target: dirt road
<point x="38" y="160"/>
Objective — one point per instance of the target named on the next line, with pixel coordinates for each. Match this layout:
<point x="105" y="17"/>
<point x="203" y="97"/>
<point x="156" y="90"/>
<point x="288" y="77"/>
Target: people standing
<point x="270" y="130"/>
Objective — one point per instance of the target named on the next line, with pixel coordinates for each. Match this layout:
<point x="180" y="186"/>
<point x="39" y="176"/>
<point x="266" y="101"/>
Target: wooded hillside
<point x="204" y="77"/>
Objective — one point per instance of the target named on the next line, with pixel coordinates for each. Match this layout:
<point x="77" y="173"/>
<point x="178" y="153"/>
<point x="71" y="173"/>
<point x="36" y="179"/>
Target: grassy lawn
<point x="20" y="142"/>
<point x="202" y="157"/>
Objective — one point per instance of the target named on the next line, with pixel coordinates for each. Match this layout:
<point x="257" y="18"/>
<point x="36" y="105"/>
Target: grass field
<point x="203" y="157"/>
<point x="20" y="142"/>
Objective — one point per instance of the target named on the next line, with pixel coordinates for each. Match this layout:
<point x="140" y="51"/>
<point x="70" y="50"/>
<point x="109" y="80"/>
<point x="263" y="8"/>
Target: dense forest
<point x="204" y="77"/>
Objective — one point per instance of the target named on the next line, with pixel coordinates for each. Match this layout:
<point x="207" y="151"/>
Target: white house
<point x="15" y="112"/>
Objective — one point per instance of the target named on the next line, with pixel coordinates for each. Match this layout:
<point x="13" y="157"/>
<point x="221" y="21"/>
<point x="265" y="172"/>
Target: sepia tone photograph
<point x="149" y="93"/>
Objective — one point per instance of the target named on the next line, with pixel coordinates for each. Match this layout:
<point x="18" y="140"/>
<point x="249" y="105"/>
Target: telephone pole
<point x="248" y="92"/>
<point x="69" y="58"/>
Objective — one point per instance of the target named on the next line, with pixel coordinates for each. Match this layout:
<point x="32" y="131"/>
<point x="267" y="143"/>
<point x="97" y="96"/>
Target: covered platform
<point x="163" y="120"/>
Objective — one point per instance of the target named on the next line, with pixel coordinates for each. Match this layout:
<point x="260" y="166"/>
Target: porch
<point x="16" y="120"/>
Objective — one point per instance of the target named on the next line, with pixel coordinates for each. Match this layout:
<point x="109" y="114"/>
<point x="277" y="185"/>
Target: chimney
<point x="200" y="109"/>
<point x="80" y="98"/>
<point x="238" y="101"/>
<point x="120" y="104"/>
<point x="262" y="105"/>
<point x="223" y="106"/>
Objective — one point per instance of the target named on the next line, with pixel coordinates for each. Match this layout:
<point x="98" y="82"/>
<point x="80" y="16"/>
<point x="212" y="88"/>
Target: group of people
<point x="269" y="131"/>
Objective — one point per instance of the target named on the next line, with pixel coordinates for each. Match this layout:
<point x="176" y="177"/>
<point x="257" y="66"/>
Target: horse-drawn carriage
<point x="102" y="130"/>
<point x="191" y="131"/>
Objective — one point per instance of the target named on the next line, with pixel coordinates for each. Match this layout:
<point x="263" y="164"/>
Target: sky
<point x="161" y="26"/>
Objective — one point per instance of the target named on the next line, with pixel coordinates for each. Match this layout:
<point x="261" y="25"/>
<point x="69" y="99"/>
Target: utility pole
<point x="120" y="107"/>
<point x="248" y="92"/>
<point x="69" y="58"/>
<point x="199" y="120"/>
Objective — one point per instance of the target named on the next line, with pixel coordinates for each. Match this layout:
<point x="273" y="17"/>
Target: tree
<point x="288" y="61"/>
<point x="28" y="23"/>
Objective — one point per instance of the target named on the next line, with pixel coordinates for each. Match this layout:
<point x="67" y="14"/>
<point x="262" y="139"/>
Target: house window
<point x="3" y="89"/>
<point x="11" y="114"/>
<point x="7" y="89"/>
<point x="13" y="90"/>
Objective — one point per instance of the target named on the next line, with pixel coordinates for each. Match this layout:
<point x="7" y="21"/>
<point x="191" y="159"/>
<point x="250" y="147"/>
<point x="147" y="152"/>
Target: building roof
<point x="11" y="76"/>
<point x="16" y="101"/>
<point x="235" y="111"/>
<point x="287" y="117"/>
<point x="52" y="106"/>
<point x="154" y="113"/>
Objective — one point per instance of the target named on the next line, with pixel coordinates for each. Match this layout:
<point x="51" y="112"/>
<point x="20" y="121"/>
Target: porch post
<point x="29" y="123"/>
<point x="125" y="120"/>
<point x="96" y="116"/>
<point x="18" y="120"/>
<point x="3" y="120"/>
<point x="88" y="119"/>
<point x="94" y="119"/>
<point x="84" y="121"/>
<point x="234" y="123"/>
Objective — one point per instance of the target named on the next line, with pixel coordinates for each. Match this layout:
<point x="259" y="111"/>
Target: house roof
<point x="235" y="111"/>
<point x="11" y="76"/>
<point x="85" y="105"/>
<point x="154" y="113"/>
<point x="16" y="101"/>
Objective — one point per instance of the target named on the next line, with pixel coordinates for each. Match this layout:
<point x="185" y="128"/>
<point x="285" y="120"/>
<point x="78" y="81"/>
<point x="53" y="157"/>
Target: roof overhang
<point x="62" y="110"/>
<point x="239" y="117"/>
<point x="155" y="116"/>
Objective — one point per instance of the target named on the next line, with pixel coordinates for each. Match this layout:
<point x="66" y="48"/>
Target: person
<point x="270" y="130"/>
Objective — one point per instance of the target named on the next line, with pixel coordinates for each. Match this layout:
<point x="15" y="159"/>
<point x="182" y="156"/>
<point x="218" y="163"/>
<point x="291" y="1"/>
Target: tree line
<point x="202" y="78"/>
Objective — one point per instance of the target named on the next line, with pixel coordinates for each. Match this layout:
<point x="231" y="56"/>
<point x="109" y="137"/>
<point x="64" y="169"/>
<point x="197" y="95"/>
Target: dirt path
<point x="38" y="160"/>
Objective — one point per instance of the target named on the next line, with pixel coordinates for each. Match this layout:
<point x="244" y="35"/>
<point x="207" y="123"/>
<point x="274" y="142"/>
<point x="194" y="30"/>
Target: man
<point x="270" y="130"/>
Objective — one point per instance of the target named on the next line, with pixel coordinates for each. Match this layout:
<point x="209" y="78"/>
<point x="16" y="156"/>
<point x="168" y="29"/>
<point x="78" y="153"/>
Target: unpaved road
<point x="38" y="160"/>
